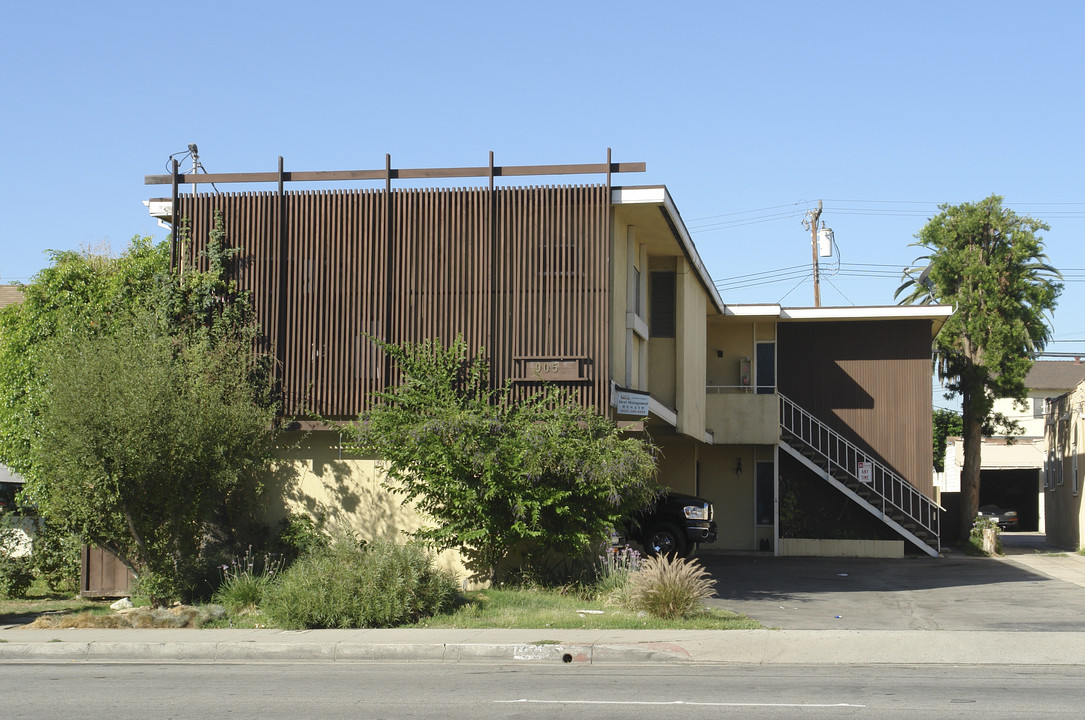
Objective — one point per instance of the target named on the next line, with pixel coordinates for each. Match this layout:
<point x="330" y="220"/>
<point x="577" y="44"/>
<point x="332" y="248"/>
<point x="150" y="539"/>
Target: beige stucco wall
<point x="692" y="304"/>
<point x="744" y="419"/>
<point x="628" y="328"/>
<point x="730" y="490"/>
<point x="344" y="493"/>
<point x="662" y="376"/>
<point x="1031" y="426"/>
<point x="733" y="413"/>
<point x="727" y="346"/>
<point x="1062" y="501"/>
<point x="678" y="463"/>
<point x="619" y="272"/>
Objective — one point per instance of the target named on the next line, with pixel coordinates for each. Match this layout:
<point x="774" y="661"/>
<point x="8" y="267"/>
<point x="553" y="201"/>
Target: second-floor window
<point x="766" y="368"/>
<point x="663" y="305"/>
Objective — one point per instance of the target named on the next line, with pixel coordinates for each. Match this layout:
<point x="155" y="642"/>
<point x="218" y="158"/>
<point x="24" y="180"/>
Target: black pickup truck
<point x="674" y="525"/>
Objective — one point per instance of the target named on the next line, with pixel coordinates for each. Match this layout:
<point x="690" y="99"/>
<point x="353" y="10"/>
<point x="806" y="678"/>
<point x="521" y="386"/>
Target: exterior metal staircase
<point x="872" y="485"/>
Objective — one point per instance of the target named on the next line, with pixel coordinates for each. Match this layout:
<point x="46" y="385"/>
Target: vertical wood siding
<point x="869" y="381"/>
<point x="522" y="272"/>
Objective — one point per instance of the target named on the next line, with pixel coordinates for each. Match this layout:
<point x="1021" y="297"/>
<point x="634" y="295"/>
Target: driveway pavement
<point x="1032" y="589"/>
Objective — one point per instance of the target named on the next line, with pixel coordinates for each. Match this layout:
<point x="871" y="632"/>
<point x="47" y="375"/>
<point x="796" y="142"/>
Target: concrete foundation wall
<point x="804" y="547"/>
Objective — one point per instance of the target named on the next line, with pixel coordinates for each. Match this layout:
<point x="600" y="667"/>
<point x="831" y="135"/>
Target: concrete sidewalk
<point x="1023" y="609"/>
<point x="819" y="647"/>
<point x="1029" y="550"/>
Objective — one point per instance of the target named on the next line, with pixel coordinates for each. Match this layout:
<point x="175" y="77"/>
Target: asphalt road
<point x="957" y="592"/>
<point x="315" y="690"/>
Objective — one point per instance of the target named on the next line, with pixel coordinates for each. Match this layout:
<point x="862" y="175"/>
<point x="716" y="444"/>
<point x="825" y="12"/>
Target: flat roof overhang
<point x="658" y="196"/>
<point x="937" y="314"/>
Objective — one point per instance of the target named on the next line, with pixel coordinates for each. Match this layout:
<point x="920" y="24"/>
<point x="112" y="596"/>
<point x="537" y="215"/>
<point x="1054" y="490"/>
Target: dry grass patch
<point x="182" y="616"/>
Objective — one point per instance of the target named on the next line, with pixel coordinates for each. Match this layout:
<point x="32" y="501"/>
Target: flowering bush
<point x="982" y="526"/>
<point x="245" y="580"/>
<point x="614" y="574"/>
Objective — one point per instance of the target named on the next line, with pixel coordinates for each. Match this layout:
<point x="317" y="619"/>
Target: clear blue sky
<point x="882" y="110"/>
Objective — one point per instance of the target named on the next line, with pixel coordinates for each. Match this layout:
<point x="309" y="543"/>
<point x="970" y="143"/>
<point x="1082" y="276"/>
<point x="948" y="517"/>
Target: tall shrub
<point x="145" y="408"/>
<point x="494" y="476"/>
<point x="352" y="585"/>
<point x="142" y="437"/>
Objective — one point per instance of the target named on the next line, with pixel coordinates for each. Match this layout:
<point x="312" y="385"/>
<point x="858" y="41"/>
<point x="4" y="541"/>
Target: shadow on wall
<point x="341" y="491"/>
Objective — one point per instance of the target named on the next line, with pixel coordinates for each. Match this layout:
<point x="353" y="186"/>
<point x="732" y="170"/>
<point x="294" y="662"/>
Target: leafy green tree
<point x="496" y="477"/>
<point x="142" y="437"/>
<point x="947" y="423"/>
<point x="136" y="405"/>
<point x="989" y="263"/>
<point x="78" y="294"/>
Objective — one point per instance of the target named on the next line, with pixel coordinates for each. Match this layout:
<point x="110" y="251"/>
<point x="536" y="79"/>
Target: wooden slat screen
<point x="522" y="272"/>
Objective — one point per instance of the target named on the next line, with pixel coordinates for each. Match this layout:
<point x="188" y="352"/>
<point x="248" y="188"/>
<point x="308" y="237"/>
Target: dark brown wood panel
<point x="522" y="272"/>
<point x="103" y="574"/>
<point x="869" y="381"/>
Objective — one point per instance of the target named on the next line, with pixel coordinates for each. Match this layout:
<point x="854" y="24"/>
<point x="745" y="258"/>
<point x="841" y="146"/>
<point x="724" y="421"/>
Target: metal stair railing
<point x="892" y="490"/>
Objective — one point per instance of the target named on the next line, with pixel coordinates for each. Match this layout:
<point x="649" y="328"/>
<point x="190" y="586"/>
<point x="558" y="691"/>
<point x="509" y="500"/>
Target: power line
<point x="859" y="270"/>
<point x="766" y="272"/>
<point x="930" y="209"/>
<point x="746" y="212"/>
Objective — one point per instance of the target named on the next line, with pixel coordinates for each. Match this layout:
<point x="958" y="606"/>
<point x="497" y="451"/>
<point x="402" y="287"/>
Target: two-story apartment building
<point x="800" y="424"/>
<point x="1012" y="474"/>
<point x="1064" y="468"/>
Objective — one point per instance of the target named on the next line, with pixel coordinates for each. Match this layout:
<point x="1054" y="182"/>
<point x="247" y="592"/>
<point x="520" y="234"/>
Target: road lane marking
<point x="681" y="702"/>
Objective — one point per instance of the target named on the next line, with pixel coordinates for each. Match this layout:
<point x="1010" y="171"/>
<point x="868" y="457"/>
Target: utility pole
<point x="812" y="217"/>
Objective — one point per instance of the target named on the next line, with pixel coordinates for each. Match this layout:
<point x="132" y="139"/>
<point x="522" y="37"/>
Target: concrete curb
<point x="734" y="647"/>
<point x="240" y="652"/>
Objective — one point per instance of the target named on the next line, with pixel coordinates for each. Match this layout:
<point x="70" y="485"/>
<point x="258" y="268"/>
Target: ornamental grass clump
<point x="670" y="587"/>
<point x="353" y="585"/>
<point x="246" y="580"/>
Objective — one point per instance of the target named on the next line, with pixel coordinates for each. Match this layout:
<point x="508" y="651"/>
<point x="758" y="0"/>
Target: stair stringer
<point x="862" y="502"/>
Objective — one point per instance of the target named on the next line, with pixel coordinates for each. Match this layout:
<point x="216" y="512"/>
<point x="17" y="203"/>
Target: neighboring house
<point x="10" y="295"/>
<point x="11" y="482"/>
<point x="10" y="485"/>
<point x="809" y="422"/>
<point x="1012" y="468"/>
<point x="1063" y="469"/>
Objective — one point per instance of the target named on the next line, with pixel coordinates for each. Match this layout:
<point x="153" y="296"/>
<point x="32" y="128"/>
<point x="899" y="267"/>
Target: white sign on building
<point x="631" y="402"/>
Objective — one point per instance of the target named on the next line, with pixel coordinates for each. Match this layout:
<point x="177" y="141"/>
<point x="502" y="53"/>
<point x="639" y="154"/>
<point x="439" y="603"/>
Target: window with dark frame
<point x="765" y="494"/>
<point x="766" y="368"/>
<point x="662" y="320"/>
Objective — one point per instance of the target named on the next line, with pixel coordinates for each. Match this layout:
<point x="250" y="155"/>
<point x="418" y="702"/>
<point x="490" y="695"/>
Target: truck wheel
<point x="665" y="540"/>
